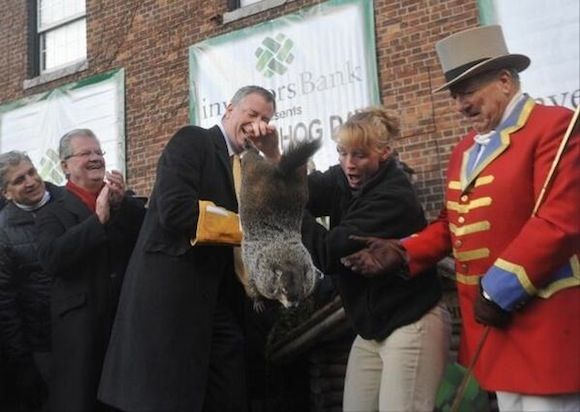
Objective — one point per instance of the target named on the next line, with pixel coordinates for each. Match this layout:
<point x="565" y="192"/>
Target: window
<point x="62" y="33"/>
<point x="239" y="9"/>
<point x="236" y="4"/>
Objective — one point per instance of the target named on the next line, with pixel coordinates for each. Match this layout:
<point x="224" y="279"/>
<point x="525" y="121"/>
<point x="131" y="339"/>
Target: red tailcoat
<point x="528" y="264"/>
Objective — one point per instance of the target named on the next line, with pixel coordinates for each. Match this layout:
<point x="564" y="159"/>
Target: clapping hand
<point x="103" y="206"/>
<point x="116" y="184"/>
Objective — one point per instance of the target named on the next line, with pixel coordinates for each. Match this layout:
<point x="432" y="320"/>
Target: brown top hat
<point x="471" y="52"/>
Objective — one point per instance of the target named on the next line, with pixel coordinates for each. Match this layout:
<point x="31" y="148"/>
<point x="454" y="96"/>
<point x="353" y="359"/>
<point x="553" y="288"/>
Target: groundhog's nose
<point x="288" y="304"/>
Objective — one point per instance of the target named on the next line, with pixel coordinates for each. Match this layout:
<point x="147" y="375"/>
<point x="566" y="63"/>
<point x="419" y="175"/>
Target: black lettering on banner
<point x="561" y="99"/>
<point x="299" y="132"/>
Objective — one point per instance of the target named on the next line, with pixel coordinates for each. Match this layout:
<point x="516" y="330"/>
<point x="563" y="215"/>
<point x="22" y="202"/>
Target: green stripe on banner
<point x="486" y="12"/>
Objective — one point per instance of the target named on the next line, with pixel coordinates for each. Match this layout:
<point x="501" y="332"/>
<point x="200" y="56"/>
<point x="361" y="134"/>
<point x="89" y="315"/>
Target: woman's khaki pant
<point x="402" y="372"/>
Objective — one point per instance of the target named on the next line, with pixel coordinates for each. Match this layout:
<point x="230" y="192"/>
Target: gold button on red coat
<point x="464" y="267"/>
<point x="464" y="198"/>
<point x="458" y="243"/>
<point x="461" y="219"/>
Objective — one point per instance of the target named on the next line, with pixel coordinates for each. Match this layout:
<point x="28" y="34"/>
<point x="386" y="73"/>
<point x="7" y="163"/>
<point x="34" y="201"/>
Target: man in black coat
<point x="85" y="240"/>
<point x="177" y="343"/>
<point x="24" y="286"/>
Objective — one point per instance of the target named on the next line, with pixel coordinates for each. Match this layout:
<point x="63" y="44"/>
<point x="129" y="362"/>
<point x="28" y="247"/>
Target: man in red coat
<point x="517" y="271"/>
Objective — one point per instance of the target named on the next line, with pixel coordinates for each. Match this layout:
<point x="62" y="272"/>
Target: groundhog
<point x="272" y="201"/>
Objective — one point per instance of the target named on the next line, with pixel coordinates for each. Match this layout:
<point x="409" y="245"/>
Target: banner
<point x="548" y="32"/>
<point x="35" y="124"/>
<point x="319" y="62"/>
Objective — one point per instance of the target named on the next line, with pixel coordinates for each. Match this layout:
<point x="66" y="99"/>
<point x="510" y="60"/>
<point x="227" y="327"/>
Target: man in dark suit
<point x="177" y="343"/>
<point x="85" y="240"/>
<point x="24" y="286"/>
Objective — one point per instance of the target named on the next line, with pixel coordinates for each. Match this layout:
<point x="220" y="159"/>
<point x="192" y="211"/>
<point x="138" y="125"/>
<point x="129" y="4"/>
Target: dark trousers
<point x="226" y="384"/>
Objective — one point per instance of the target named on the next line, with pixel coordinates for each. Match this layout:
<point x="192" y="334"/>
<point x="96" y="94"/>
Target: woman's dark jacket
<point x="387" y="207"/>
<point x="24" y="285"/>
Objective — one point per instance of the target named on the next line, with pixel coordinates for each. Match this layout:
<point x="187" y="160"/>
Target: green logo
<point x="49" y="167"/>
<point x="274" y="55"/>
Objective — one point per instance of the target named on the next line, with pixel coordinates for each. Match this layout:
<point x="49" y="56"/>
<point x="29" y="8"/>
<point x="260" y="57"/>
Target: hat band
<point x="453" y="73"/>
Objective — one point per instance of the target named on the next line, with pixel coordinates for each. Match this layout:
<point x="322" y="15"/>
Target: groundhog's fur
<point x="272" y="201"/>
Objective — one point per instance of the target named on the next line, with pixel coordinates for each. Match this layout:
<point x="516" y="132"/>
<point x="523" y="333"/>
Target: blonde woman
<point x="398" y="357"/>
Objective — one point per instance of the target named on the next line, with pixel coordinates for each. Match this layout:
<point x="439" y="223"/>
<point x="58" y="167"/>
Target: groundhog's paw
<point x="259" y="305"/>
<point x="249" y="145"/>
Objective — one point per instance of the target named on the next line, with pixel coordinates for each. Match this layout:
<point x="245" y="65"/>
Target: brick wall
<point x="406" y="32"/>
<point x="149" y="38"/>
<point x="13" y="59"/>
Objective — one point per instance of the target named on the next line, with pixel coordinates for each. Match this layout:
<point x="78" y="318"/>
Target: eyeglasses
<point x="86" y="154"/>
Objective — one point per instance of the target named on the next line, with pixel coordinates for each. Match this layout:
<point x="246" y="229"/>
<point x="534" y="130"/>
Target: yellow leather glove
<point x="217" y="226"/>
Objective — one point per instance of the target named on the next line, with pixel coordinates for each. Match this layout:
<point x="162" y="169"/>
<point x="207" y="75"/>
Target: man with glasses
<point x="517" y="268"/>
<point x="85" y="240"/>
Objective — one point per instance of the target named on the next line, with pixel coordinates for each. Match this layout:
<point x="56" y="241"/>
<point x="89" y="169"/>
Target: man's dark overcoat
<point x="158" y="357"/>
<point x="88" y="260"/>
<point x="24" y="285"/>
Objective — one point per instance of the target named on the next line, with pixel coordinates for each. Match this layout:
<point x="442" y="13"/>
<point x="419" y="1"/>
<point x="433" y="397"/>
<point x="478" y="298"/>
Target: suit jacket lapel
<point x="74" y="205"/>
<point x="499" y="142"/>
<point x="223" y="156"/>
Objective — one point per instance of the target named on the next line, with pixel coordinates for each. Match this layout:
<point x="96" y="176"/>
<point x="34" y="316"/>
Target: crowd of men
<point x="105" y="304"/>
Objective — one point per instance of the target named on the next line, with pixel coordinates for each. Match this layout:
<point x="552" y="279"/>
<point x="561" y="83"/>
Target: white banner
<point x="35" y="124"/>
<point x="319" y="62"/>
<point x="548" y="32"/>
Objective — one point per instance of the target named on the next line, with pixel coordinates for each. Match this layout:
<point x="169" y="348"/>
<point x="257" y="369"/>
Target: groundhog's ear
<point x="318" y="273"/>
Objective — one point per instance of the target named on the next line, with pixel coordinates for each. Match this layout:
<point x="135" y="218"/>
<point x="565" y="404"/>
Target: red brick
<point x="150" y="38"/>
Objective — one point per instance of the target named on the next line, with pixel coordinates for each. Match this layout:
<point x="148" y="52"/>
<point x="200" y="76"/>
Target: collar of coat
<point x="499" y="142"/>
<point x="16" y="216"/>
